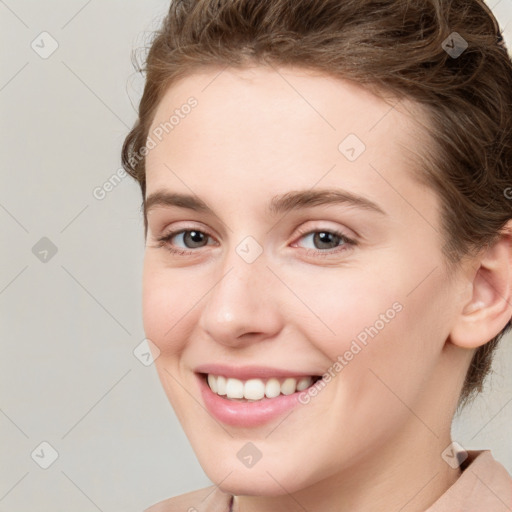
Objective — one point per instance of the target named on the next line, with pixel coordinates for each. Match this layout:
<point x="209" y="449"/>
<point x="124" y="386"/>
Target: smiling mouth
<point x="254" y="390"/>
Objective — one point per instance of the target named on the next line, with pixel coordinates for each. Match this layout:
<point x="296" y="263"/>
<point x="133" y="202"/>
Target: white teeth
<point x="212" y="382"/>
<point x="272" y="388"/>
<point x="288" y="386"/>
<point x="235" y="388"/>
<point x="221" y="385"/>
<point x="304" y="383"/>
<point x="256" y="389"/>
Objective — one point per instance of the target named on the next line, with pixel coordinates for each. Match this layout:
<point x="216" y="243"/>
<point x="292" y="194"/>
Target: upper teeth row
<point x="256" y="389"/>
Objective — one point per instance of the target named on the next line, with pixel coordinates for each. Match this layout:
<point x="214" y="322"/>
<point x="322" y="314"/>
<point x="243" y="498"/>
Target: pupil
<point x="195" y="236"/>
<point x="323" y="238"/>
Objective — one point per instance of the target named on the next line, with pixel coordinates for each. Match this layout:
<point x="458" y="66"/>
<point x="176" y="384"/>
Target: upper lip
<point x="249" y="372"/>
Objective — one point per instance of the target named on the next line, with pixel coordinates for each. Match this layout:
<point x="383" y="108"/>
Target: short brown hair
<point x="397" y="47"/>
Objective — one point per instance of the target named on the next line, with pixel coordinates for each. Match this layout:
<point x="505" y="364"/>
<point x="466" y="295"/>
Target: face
<point x="306" y="248"/>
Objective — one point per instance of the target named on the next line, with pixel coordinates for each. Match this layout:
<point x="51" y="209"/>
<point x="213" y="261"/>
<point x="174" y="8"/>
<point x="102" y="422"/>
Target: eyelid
<point x="346" y="233"/>
<point x="176" y="228"/>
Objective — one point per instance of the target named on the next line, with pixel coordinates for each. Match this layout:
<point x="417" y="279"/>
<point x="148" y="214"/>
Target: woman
<point x="328" y="259"/>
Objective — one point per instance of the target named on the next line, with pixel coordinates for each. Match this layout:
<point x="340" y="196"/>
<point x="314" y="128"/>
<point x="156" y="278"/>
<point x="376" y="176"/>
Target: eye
<point x="325" y="239"/>
<point x="192" y="238"/>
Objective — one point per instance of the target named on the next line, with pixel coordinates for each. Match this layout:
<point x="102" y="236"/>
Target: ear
<point x="489" y="307"/>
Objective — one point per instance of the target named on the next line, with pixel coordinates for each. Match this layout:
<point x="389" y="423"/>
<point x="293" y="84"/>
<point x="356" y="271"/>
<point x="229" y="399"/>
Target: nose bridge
<point x="240" y="300"/>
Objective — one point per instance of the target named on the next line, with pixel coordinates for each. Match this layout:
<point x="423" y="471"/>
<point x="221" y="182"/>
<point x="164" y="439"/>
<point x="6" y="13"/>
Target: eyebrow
<point x="293" y="200"/>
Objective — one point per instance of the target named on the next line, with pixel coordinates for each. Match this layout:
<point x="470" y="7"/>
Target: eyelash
<point x="348" y="243"/>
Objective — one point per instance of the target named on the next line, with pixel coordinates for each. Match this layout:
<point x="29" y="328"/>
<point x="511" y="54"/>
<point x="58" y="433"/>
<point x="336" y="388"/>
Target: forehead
<point x="280" y="108"/>
<point x="268" y="125"/>
<point x="294" y="91"/>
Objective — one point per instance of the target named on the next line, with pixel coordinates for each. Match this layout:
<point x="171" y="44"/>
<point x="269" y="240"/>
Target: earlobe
<point x="489" y="307"/>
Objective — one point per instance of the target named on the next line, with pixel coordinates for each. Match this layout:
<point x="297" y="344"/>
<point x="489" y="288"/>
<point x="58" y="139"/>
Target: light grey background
<point x="70" y="323"/>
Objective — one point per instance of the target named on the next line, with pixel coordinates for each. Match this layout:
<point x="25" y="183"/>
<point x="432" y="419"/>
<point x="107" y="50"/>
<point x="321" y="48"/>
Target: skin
<point x="372" y="439"/>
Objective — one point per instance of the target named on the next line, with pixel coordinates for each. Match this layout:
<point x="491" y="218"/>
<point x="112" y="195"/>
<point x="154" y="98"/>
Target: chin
<point x="247" y="486"/>
<point x="270" y="480"/>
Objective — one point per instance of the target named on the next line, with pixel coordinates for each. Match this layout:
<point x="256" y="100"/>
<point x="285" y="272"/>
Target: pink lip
<point x="245" y="414"/>
<point x="248" y="372"/>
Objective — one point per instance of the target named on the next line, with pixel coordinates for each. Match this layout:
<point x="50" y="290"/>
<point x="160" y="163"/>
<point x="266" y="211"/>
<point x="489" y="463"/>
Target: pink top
<point x="484" y="486"/>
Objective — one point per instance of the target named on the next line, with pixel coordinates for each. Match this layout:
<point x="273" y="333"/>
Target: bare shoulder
<point x="207" y="499"/>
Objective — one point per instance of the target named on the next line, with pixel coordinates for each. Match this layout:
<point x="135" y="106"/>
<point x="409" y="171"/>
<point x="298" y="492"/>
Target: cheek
<point x="403" y="346"/>
<point x="166" y="304"/>
<point x="374" y="322"/>
<point x="352" y="309"/>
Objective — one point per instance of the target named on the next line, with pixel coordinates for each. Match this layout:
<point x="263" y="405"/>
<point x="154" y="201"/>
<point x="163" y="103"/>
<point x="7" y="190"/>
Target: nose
<point x="242" y="305"/>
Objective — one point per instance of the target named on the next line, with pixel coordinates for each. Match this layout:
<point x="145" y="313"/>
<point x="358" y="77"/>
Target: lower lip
<point x="246" y="414"/>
